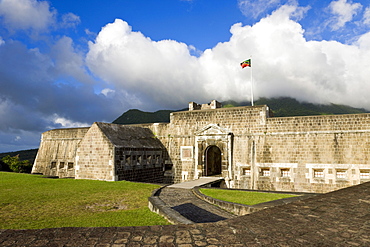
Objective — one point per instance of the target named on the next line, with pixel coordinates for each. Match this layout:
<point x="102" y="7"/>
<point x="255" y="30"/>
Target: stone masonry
<point x="246" y="146"/>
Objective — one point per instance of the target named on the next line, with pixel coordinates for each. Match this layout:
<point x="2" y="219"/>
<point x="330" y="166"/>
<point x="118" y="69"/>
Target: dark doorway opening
<point x="213" y="161"/>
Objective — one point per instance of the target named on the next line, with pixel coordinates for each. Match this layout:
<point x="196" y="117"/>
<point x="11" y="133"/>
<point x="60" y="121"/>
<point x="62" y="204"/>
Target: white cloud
<point x="142" y="67"/>
<point x="107" y="91"/>
<point x="70" y="20"/>
<point x="256" y="8"/>
<point x="1" y="41"/>
<point x="366" y="18"/>
<point x="66" y="123"/>
<point x="27" y="14"/>
<point x="164" y="73"/>
<point x="343" y="12"/>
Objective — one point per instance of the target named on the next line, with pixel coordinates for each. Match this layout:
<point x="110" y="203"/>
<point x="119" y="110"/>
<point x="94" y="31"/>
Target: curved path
<point x="339" y="218"/>
<point x="191" y="207"/>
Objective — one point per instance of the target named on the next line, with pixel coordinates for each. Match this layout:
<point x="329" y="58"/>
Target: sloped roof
<point x="129" y="136"/>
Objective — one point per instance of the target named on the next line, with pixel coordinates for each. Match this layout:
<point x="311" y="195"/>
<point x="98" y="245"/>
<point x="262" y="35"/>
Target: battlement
<point x="214" y="104"/>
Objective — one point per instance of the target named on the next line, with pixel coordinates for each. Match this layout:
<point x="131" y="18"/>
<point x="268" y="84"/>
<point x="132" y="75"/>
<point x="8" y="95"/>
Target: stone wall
<point x="310" y="154"/>
<point x="182" y="130"/>
<point x="139" y="164"/>
<point x="307" y="154"/>
<point x="322" y="153"/>
<point x="57" y="152"/>
<point x="95" y="156"/>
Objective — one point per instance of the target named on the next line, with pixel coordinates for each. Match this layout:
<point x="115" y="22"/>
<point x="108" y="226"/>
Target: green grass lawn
<point x="33" y="202"/>
<point x="243" y="197"/>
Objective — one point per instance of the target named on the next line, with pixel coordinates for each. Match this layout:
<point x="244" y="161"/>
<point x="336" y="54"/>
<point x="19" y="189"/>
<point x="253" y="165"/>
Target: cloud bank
<point x="284" y="64"/>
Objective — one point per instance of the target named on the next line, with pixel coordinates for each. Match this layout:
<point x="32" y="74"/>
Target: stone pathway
<point x="191" y="207"/>
<point x="340" y="218"/>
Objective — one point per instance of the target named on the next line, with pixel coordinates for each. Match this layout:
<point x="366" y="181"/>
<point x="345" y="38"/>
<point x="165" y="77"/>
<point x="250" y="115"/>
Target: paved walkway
<point x="340" y="218"/>
<point x="191" y="207"/>
<point x="194" y="183"/>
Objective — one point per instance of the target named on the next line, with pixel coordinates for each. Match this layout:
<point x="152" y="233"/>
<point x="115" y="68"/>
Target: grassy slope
<point x="243" y="197"/>
<point x="33" y="202"/>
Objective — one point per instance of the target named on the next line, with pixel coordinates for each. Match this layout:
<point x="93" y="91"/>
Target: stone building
<point x="246" y="146"/>
<point x="103" y="152"/>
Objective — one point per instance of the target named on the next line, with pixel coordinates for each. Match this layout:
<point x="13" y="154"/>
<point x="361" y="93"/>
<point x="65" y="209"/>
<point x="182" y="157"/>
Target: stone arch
<point x="213" y="161"/>
<point x="215" y="136"/>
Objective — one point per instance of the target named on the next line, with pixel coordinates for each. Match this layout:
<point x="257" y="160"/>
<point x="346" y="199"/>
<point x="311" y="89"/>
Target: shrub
<point x="17" y="165"/>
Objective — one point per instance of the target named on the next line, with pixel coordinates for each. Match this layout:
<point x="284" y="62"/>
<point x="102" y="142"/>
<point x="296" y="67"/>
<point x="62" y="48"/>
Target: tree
<point x="17" y="165"/>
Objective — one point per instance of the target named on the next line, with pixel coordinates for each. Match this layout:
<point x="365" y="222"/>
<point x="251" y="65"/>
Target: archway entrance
<point x="213" y="161"/>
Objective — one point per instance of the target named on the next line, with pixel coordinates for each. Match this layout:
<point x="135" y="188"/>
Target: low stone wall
<point x="157" y="206"/>
<point x="242" y="209"/>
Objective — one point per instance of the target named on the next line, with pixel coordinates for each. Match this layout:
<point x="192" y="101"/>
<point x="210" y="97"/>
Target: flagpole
<point x="251" y="82"/>
<point x="248" y="63"/>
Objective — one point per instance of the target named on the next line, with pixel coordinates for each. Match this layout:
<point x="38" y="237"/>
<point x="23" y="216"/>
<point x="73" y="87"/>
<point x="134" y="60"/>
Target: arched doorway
<point x="213" y="161"/>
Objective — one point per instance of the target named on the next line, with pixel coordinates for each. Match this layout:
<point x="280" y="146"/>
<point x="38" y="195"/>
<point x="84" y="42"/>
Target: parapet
<point x="213" y="105"/>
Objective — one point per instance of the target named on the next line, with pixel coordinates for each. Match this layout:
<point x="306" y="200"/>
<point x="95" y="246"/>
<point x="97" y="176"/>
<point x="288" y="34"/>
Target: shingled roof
<point x="130" y="136"/>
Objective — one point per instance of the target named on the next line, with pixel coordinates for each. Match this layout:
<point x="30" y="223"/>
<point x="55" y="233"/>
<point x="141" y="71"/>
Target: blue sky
<point x="70" y="63"/>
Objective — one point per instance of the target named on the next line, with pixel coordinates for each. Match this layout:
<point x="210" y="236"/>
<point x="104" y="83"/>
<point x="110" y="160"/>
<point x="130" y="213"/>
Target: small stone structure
<point x="245" y="145"/>
<point x="103" y="152"/>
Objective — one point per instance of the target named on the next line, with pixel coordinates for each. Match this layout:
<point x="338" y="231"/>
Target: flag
<point x="246" y="63"/>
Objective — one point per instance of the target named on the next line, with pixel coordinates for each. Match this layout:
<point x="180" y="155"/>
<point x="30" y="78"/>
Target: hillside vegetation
<point x="281" y="107"/>
<point x="29" y="155"/>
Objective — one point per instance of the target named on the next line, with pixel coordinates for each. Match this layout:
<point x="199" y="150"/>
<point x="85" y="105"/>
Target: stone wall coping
<point x="320" y="116"/>
<point x="242" y="209"/>
<point x="158" y="206"/>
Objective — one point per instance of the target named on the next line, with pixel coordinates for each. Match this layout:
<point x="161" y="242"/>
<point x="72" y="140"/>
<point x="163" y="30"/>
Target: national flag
<point x="246" y="63"/>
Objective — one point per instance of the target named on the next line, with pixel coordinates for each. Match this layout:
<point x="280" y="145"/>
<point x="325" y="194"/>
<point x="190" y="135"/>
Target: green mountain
<point x="288" y="107"/>
<point x="281" y="107"/>
<point x="135" y="116"/>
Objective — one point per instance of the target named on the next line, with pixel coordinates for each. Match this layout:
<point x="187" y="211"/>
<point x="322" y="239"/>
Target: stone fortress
<point x="245" y="145"/>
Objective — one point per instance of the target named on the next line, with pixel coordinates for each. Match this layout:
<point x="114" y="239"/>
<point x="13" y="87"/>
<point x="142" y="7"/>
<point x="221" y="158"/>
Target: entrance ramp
<point x="196" y="183"/>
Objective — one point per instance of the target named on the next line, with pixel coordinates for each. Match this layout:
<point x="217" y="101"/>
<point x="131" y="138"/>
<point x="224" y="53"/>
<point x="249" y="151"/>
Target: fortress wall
<point x="57" y="151"/>
<point x="95" y="156"/>
<point x="337" y="147"/>
<point x="308" y="154"/>
<point x="180" y="133"/>
<point x="241" y="121"/>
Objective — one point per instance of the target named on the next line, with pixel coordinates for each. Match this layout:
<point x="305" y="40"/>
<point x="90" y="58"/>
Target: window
<point x="265" y="172"/>
<point x="128" y="160"/>
<point x="168" y="167"/>
<point x="318" y="173"/>
<point x="364" y="174"/>
<point x="61" y="165"/>
<point x="341" y="174"/>
<point x="53" y="165"/>
<point x="285" y="173"/>
<point x="186" y="153"/>
<point x="247" y="171"/>
<point x="70" y="165"/>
